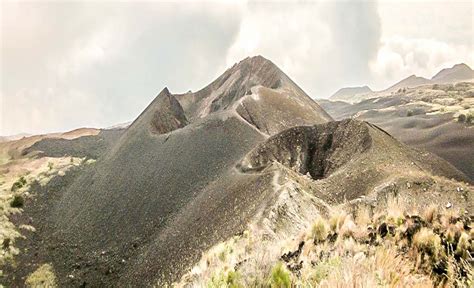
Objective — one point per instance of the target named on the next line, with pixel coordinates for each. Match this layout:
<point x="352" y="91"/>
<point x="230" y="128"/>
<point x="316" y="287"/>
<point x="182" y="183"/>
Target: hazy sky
<point x="74" y="64"/>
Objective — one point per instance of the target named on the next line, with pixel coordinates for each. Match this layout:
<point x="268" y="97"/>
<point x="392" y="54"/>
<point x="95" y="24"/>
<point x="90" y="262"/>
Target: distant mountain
<point x="459" y="72"/>
<point x="409" y="82"/>
<point x="119" y="126"/>
<point x="13" y="137"/>
<point x="347" y="93"/>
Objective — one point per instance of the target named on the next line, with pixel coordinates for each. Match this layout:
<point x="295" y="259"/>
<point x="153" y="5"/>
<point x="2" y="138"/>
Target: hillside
<point x="459" y="72"/>
<point x="437" y="118"/>
<point x="411" y="81"/>
<point x="250" y="156"/>
<point x="345" y="94"/>
<point x="198" y="136"/>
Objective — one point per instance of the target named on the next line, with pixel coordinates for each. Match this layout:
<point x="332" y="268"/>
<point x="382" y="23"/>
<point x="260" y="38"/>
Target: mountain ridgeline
<point x="195" y="169"/>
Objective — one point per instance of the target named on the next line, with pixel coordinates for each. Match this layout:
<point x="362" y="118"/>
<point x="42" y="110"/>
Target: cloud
<point x="311" y="41"/>
<point x="422" y="38"/>
<point x="400" y="57"/>
<point x="114" y="56"/>
<point x="71" y="64"/>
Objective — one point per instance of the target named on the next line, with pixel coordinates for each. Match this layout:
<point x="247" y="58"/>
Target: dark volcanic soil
<point x="175" y="184"/>
<point x="85" y="146"/>
<point x="438" y="133"/>
<point x="167" y="189"/>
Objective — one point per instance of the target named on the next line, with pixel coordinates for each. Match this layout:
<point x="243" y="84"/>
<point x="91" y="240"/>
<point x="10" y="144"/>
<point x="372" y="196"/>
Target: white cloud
<point x="400" y="57"/>
<point x="70" y="64"/>
<point x="320" y="45"/>
<point x="98" y="63"/>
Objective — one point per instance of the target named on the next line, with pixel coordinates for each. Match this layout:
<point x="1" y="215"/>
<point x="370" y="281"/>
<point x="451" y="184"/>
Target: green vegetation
<point x="324" y="268"/>
<point x="319" y="231"/>
<point x="18" y="184"/>
<point x="387" y="247"/>
<point x="17" y="202"/>
<point x="50" y="165"/>
<point x="230" y="279"/>
<point x="280" y="277"/>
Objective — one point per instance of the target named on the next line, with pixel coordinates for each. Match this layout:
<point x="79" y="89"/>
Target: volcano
<point x="195" y="169"/>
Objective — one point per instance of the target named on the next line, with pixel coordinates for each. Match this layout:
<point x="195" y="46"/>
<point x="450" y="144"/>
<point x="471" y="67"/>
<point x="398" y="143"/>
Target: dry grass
<point x="394" y="248"/>
<point x="43" y="277"/>
<point x="319" y="230"/>
<point x="16" y="178"/>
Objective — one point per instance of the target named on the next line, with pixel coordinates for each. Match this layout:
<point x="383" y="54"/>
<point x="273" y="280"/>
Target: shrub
<point x="18" y="184"/>
<point x="50" y="165"/>
<point x="409" y="113"/>
<point x="470" y="118"/>
<point x="462" y="118"/>
<point x="17" y="201"/>
<point x="280" y="277"/>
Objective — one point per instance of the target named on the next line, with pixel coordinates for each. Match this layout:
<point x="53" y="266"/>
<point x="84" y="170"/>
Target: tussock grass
<point x="319" y="230"/>
<point x="43" y="277"/>
<point x="280" y="277"/>
<point x="394" y="248"/>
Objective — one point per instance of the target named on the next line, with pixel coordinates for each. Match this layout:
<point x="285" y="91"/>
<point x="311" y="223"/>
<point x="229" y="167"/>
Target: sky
<point x="69" y="64"/>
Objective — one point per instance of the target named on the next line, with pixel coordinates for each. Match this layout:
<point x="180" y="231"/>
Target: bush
<point x="409" y="113"/>
<point x="470" y="118"/>
<point x="280" y="277"/>
<point x="462" y="118"/>
<point x="18" y="184"/>
<point x="17" y="202"/>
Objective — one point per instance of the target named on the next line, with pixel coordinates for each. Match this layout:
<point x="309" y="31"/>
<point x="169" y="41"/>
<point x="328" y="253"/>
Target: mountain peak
<point x="458" y="72"/>
<point x="240" y="81"/>
<point x="461" y="65"/>
<point x="409" y="82"/>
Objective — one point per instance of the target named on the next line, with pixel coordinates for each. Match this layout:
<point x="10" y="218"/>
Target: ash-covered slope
<point x="315" y="171"/>
<point x="409" y="82"/>
<point x="459" y="72"/>
<point x="426" y="117"/>
<point x="168" y="188"/>
<point x="249" y="83"/>
<point x="353" y="156"/>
